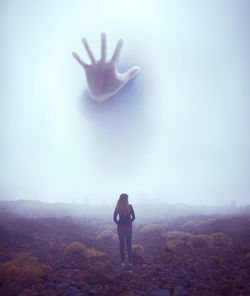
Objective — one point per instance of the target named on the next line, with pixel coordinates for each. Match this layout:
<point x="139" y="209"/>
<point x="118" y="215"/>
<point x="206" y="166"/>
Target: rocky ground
<point x="192" y="255"/>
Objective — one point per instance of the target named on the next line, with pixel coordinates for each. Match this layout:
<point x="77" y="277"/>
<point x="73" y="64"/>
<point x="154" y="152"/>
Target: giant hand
<point x="102" y="76"/>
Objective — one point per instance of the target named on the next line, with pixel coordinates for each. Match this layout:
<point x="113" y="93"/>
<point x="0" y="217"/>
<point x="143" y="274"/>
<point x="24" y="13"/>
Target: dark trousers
<point x="125" y="233"/>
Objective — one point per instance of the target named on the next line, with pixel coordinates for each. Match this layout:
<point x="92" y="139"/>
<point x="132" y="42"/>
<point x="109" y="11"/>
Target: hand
<point x="102" y="77"/>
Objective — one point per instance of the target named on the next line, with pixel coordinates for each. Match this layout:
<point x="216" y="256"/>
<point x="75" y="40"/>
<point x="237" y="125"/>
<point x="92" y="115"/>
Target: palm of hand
<point x="102" y="77"/>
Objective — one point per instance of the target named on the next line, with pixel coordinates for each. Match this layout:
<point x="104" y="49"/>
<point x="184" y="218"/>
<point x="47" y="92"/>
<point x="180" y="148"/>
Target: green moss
<point x="178" y="235"/>
<point x="75" y="248"/>
<point x="220" y="239"/>
<point x="200" y="241"/>
<point x="107" y="235"/>
<point x="22" y="264"/>
<point x="152" y="228"/>
<point x="137" y="249"/>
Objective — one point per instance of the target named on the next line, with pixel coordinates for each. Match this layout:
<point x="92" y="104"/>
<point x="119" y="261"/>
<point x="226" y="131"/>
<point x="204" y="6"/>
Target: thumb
<point x="132" y="72"/>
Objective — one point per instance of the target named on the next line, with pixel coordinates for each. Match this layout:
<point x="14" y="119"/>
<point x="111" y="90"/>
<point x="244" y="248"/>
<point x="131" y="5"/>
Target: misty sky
<point x="178" y="132"/>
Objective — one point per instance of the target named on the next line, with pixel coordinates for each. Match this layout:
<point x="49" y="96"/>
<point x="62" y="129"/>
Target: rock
<point x="136" y="268"/>
<point x="97" y="264"/>
<point x="93" y="292"/>
<point x="192" y="283"/>
<point x="72" y="291"/>
<point x="180" y="291"/>
<point x="127" y="293"/>
<point x="78" y="285"/>
<point x="161" y="292"/>
<point x="70" y="294"/>
<point x="239" y="283"/>
<point x="49" y="285"/>
<point x="27" y="292"/>
<point x="62" y="285"/>
<point x="183" y="271"/>
<point x="148" y="260"/>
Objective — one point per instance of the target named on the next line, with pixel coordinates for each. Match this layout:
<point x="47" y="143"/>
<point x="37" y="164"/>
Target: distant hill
<point x="144" y="211"/>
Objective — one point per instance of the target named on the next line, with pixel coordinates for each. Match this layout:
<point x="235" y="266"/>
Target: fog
<point x="177" y="133"/>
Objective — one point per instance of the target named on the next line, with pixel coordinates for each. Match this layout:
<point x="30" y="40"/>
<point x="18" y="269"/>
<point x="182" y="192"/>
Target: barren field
<point x="186" y="255"/>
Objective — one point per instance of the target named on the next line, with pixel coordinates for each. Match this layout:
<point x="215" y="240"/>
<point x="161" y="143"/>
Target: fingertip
<point x="133" y="72"/>
<point x="75" y="55"/>
<point x="137" y="69"/>
<point x="84" y="40"/>
<point x="119" y="43"/>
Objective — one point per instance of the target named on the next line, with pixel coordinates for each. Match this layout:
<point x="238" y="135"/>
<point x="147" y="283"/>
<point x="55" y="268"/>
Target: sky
<point x="178" y="132"/>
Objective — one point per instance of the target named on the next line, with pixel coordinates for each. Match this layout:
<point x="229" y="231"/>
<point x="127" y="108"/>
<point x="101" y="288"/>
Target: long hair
<point x="122" y="204"/>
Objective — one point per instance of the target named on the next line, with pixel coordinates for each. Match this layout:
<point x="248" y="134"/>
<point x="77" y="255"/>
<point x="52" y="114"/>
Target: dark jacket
<point x="125" y="220"/>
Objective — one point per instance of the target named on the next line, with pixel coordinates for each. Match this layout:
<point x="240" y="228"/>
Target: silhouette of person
<point x="124" y="226"/>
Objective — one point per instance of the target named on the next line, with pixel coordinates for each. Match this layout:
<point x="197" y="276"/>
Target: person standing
<point x="124" y="226"/>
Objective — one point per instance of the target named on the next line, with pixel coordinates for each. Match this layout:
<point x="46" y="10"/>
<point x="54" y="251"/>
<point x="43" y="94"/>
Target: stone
<point x="62" y="285"/>
<point x="93" y="292"/>
<point x="180" y="291"/>
<point x="161" y="292"/>
<point x="192" y="283"/>
<point x="72" y="290"/>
